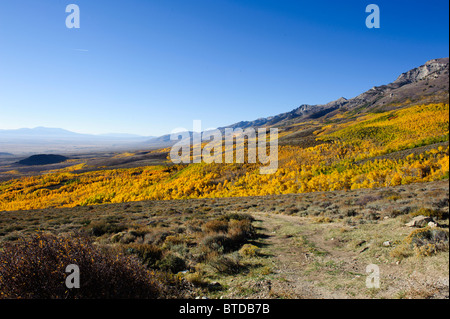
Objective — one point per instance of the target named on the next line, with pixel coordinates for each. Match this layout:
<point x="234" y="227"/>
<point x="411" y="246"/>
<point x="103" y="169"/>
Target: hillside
<point x="43" y="159"/>
<point x="351" y="175"/>
<point x="348" y="155"/>
<point x="428" y="83"/>
<point x="341" y="145"/>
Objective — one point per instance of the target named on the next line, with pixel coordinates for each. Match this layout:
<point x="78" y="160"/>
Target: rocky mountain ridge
<point x="428" y="82"/>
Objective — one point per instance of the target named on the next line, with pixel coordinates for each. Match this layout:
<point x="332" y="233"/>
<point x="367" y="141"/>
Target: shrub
<point x="363" y="201"/>
<point x="35" y="268"/>
<point x="426" y="250"/>
<point x="249" y="250"/>
<point x="323" y="220"/>
<point x="157" y="236"/>
<point x="428" y="235"/>
<point x="196" y="279"/>
<point x="292" y="210"/>
<point x="434" y="213"/>
<point x="216" y="226"/>
<point x="148" y="254"/>
<point x="173" y="240"/>
<point x="423" y="242"/>
<point x="229" y="265"/>
<point x="394" y="198"/>
<point x="237" y="216"/>
<point x="241" y="230"/>
<point x="171" y="263"/>
<point x="100" y="228"/>
<point x="215" y="241"/>
<point x="401" y="251"/>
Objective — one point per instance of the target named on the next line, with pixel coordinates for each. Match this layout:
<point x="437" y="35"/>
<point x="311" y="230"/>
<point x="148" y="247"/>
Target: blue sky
<point x="150" y="66"/>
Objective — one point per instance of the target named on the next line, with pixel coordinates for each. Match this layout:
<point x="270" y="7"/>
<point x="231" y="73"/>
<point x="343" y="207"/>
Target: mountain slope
<point x="428" y="82"/>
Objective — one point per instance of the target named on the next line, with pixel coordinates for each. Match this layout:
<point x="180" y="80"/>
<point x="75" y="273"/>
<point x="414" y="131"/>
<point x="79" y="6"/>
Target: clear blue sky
<point x="149" y="66"/>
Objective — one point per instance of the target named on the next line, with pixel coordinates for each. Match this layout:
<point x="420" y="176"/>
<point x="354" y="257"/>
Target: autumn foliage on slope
<point x="354" y="154"/>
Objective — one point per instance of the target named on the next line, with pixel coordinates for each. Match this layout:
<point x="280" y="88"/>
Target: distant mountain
<point x="125" y="135"/>
<point x="57" y="140"/>
<point x="61" y="134"/>
<point x="39" y="132"/>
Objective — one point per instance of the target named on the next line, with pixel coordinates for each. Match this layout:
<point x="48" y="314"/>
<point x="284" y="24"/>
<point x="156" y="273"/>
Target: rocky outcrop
<point x="430" y="70"/>
<point x="420" y="221"/>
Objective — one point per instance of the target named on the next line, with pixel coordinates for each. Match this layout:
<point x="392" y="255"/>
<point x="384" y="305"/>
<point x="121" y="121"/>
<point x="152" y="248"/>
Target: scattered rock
<point x="387" y="243"/>
<point x="419" y="221"/>
<point x="433" y="224"/>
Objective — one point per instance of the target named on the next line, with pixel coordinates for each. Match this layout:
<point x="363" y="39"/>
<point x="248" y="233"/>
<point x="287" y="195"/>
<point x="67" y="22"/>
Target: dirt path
<point x="293" y="259"/>
<point x="309" y="263"/>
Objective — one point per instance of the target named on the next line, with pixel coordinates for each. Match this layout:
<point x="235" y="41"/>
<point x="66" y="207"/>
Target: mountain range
<point x="62" y="134"/>
<point x="428" y="83"/>
<point x="57" y="140"/>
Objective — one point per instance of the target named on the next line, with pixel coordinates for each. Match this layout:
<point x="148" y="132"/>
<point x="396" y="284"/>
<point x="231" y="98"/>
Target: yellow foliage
<point x="351" y="157"/>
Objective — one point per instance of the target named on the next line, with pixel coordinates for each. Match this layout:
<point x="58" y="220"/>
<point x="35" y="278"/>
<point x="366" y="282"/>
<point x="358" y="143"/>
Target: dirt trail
<point x="308" y="263"/>
<point x="292" y="261"/>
